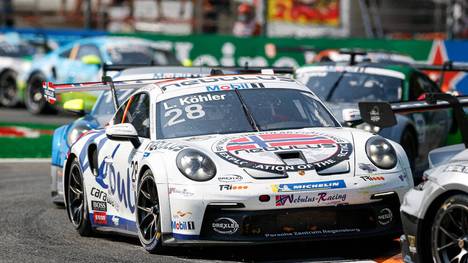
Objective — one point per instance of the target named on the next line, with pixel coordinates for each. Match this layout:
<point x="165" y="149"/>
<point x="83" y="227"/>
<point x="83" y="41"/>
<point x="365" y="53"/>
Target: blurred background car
<point x="342" y="87"/>
<point x="16" y="55"/>
<point x="82" y="61"/>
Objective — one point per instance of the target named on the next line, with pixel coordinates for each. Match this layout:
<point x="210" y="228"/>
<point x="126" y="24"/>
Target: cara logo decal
<point x="336" y="184"/>
<point x="257" y="151"/>
<point x="225" y="225"/>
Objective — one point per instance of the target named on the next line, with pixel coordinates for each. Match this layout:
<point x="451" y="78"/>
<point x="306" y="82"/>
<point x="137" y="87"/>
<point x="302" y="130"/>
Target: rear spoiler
<point x="448" y="66"/>
<point x="214" y="70"/>
<point x="382" y="114"/>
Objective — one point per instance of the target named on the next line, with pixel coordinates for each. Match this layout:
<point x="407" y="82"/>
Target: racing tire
<point x="408" y="142"/>
<point x="449" y="231"/>
<point x="148" y="219"/>
<point x="77" y="207"/>
<point x="34" y="96"/>
<point x="8" y="89"/>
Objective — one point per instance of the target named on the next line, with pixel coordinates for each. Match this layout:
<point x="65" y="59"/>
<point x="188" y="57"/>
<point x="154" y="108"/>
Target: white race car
<point x="235" y="159"/>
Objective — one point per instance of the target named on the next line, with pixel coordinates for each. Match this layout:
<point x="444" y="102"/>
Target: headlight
<point x="195" y="165"/>
<point x="75" y="133"/>
<point x="381" y="152"/>
<point x="368" y="127"/>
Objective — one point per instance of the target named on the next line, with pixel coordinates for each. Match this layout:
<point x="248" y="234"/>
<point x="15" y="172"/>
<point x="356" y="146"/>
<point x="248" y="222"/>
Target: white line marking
<point x="25" y="160"/>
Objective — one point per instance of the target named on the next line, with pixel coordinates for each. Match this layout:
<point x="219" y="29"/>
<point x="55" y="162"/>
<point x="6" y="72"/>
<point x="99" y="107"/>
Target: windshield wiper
<point x="247" y="113"/>
<point x="335" y="85"/>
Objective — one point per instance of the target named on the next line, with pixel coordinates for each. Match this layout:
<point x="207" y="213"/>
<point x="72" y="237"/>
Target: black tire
<point x="77" y="207"/>
<point x="449" y="231"/>
<point x="148" y="217"/>
<point x="408" y="142"/>
<point x="34" y="96"/>
<point x="8" y="89"/>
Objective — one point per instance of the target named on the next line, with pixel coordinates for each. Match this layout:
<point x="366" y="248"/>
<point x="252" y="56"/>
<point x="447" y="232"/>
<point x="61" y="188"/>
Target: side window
<point x="86" y="50"/>
<point x="65" y="53"/>
<point x="136" y="112"/>
<point x="416" y="88"/>
<point x="427" y="84"/>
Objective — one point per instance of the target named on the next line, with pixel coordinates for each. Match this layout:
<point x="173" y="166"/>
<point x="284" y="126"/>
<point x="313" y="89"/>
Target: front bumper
<point x="56" y="185"/>
<point x="410" y="243"/>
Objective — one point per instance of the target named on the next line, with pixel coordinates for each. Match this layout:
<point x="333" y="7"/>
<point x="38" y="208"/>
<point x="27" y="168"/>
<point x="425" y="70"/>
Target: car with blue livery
<point x="81" y="61"/>
<point x="204" y="161"/>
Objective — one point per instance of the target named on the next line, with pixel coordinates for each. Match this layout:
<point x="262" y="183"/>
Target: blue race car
<point x="81" y="61"/>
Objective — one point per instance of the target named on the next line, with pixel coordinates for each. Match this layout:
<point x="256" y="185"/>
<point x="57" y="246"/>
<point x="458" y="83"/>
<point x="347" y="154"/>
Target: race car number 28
<point x="193" y="111"/>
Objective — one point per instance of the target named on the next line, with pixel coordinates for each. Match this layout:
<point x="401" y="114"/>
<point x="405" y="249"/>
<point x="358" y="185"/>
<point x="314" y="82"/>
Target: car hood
<point x="317" y="150"/>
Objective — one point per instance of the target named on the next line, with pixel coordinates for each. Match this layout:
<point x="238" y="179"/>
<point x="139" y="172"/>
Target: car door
<point x="121" y="160"/>
<point x="438" y="122"/>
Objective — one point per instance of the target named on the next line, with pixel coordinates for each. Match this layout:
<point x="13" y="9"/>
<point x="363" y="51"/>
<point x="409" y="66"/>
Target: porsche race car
<point x="205" y="161"/>
<point x="435" y="212"/>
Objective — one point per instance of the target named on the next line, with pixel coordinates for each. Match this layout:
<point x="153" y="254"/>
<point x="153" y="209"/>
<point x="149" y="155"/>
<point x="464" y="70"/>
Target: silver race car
<point x="435" y="212"/>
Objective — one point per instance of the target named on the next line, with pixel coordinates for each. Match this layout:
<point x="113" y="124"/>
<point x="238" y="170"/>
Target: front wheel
<point x="76" y="201"/>
<point x="148" y="215"/>
<point x="449" y="233"/>
<point x="8" y="89"/>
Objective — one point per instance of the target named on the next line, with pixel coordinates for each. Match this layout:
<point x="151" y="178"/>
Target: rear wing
<point x="448" y="66"/>
<point x="382" y="114"/>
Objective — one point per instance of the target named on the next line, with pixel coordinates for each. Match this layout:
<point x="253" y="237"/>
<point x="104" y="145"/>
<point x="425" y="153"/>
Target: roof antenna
<point x="108" y="80"/>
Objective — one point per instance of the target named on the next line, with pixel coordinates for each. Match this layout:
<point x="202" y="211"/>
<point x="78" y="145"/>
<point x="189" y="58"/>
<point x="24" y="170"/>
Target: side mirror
<point x="76" y="106"/>
<point x="352" y="117"/>
<point x="379" y="114"/>
<point x="91" y="60"/>
<point x="123" y="132"/>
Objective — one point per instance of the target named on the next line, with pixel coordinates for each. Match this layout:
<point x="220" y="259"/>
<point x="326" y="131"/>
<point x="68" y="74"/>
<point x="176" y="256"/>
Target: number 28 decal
<point x="192" y="112"/>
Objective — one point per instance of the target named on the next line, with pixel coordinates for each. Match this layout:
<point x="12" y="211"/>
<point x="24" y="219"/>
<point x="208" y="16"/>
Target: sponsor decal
<point x="230" y="178"/>
<point x="213" y="80"/>
<point x="235" y="86"/>
<point x="456" y="168"/>
<point x="320" y="198"/>
<point x="251" y="151"/>
<point x="335" y="184"/>
<point x="368" y="178"/>
<point x="115" y="220"/>
<point x="370" y="168"/>
<point x="375" y="114"/>
<point x="183" y="225"/>
<point x="184" y="192"/>
<point x="225" y="226"/>
<point x="146" y="154"/>
<point x="385" y="216"/>
<point x="104" y="197"/>
<point x="100" y="218"/>
<point x="99" y="205"/>
<point x="163" y="145"/>
<point x="181" y="214"/>
<point x="314" y="232"/>
<point x="232" y="187"/>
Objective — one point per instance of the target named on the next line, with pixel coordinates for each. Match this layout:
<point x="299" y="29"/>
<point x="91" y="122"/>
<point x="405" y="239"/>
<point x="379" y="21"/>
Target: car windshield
<point x="223" y="112"/>
<point x="104" y="108"/>
<point x="15" y="50"/>
<point x="339" y="87"/>
<point x="141" y="54"/>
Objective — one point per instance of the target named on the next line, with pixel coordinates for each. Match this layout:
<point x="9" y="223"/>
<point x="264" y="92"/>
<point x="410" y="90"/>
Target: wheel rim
<point x="75" y="196"/>
<point x="8" y="94"/>
<point x="148" y="211"/>
<point x="450" y="235"/>
<point x="35" y="92"/>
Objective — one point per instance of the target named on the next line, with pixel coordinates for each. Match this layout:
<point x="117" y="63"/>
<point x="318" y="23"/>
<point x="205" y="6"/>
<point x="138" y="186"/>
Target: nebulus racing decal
<point x="320" y="198"/>
<point x="320" y="151"/>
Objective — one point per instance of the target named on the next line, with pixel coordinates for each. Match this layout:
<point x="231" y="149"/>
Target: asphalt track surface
<point x="35" y="230"/>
